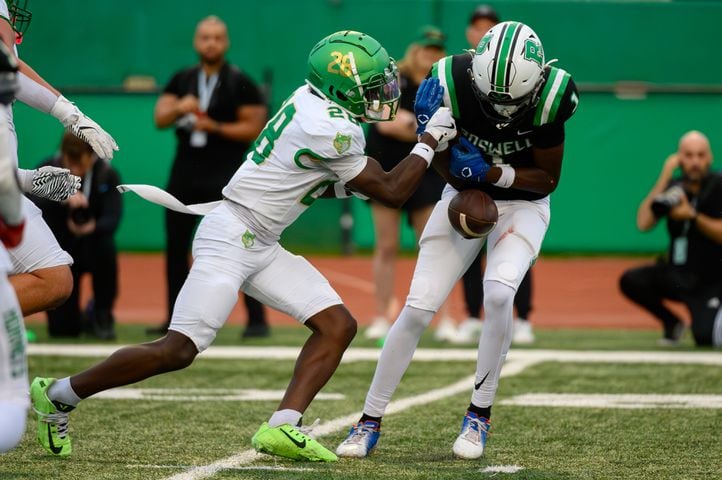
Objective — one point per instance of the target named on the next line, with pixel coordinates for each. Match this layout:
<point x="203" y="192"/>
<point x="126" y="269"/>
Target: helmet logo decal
<point x="340" y="65"/>
<point x="341" y="143"/>
<point x="533" y="51"/>
<point x="483" y="43"/>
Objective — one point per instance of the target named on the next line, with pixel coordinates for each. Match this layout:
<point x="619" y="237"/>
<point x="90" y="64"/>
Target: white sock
<point x="494" y="342"/>
<point x="62" y="392"/>
<point x="12" y="424"/>
<point x="399" y="347"/>
<point x="279" y="417"/>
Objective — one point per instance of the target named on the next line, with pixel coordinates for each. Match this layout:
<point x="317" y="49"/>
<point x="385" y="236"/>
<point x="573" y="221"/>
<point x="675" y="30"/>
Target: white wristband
<point x="25" y="179"/>
<point x="508" y="174"/>
<point x="424" y="151"/>
<point x="65" y="111"/>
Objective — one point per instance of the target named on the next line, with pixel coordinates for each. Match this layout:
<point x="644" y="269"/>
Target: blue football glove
<point x="467" y="162"/>
<point x="428" y="100"/>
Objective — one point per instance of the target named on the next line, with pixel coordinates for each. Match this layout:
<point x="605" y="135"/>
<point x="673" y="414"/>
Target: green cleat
<point x="52" y="419"/>
<point x="287" y="441"/>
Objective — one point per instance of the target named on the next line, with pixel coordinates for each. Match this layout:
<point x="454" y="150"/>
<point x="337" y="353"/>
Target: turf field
<point x="631" y="410"/>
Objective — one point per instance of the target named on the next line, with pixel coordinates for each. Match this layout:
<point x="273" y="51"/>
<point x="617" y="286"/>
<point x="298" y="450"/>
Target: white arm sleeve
<point x="35" y="95"/>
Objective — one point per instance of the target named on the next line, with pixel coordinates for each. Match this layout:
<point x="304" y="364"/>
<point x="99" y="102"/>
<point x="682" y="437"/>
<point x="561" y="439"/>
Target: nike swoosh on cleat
<point x="477" y="385"/>
<point x="53" y="448"/>
<point x="301" y="444"/>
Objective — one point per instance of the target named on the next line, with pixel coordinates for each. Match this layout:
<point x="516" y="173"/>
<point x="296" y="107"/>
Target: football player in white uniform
<point x="41" y="269"/>
<point x="13" y="363"/>
<point x="313" y="147"/>
<point x="510" y="106"/>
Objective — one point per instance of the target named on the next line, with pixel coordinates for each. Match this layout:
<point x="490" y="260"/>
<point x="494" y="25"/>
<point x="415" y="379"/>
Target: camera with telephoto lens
<point x="80" y="216"/>
<point x="667" y="200"/>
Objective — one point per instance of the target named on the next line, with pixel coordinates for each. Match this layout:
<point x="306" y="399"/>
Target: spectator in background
<point x="216" y="111"/>
<point x="691" y="272"/>
<point x="85" y="226"/>
<point x="481" y="20"/>
<point x="389" y="143"/>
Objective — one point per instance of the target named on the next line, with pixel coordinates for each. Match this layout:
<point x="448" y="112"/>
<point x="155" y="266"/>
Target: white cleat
<point x="472" y="439"/>
<point x="446" y="330"/>
<point x="378" y="329"/>
<point x="361" y="440"/>
<point x="523" y="333"/>
<point x="468" y="332"/>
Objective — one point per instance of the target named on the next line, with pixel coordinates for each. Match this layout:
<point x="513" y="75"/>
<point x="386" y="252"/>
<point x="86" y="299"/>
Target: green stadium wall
<point x="614" y="148"/>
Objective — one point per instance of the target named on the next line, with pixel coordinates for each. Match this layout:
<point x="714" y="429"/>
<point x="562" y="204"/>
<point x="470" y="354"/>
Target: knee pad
<point x="509" y="259"/>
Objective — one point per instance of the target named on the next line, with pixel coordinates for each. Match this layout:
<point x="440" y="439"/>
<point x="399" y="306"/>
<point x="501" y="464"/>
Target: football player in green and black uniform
<point x="510" y="107"/>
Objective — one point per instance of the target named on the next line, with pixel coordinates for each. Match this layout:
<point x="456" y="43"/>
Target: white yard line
<point x="201" y="394"/>
<point x="421" y="355"/>
<point x="624" y="400"/>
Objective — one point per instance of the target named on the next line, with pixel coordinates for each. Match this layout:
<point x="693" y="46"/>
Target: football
<point x="473" y="213"/>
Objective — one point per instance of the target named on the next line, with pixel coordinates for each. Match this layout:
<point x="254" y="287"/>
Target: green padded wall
<point x="614" y="147"/>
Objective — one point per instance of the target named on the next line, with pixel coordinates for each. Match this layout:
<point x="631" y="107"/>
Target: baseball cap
<point x="431" y="36"/>
<point x="484" y="11"/>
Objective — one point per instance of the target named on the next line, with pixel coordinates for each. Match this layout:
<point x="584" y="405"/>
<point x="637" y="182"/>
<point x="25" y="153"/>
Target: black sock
<point x="484" y="412"/>
<point x="365" y="417"/>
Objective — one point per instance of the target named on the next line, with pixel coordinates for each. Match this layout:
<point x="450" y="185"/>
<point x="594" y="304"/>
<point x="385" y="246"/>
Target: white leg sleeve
<point x="12" y="425"/>
<point x="494" y="342"/>
<point x="395" y="358"/>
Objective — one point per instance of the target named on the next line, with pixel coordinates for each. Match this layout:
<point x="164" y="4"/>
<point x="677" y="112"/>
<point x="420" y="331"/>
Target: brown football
<point x="473" y="213"/>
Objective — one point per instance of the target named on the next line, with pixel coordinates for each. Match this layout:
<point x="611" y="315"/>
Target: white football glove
<point x="442" y="127"/>
<point x="53" y="183"/>
<point x="84" y="128"/>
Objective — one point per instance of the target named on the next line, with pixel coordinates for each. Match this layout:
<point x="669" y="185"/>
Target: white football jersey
<point x="308" y="145"/>
<point x="5" y="264"/>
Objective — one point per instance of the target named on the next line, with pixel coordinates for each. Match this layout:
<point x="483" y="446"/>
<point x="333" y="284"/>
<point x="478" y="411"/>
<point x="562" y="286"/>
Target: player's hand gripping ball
<point x="473" y="213"/>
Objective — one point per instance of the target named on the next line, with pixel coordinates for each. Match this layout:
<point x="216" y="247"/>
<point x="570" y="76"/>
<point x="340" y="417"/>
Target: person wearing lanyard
<point x="85" y="227"/>
<point x="691" y="273"/>
<point x="217" y="111"/>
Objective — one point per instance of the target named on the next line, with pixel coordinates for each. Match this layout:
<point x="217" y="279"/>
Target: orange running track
<point x="568" y="292"/>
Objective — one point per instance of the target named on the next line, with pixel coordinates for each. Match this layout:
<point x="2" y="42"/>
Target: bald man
<point x="691" y="273"/>
<point x="216" y="111"/>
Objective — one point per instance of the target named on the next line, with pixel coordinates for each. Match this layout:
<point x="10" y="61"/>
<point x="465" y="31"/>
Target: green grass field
<point x="162" y="438"/>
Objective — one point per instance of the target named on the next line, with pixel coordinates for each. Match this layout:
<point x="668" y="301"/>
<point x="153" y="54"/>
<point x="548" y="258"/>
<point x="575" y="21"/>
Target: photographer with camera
<point x="85" y="226"/>
<point x="691" y="272"/>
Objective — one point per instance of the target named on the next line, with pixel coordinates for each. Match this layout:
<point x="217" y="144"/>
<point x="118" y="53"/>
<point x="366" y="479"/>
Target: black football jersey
<point x="542" y="126"/>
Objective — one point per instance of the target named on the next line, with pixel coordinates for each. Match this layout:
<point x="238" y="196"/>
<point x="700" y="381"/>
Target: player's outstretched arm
<point x="12" y="220"/>
<point x="39" y="94"/>
<point x="395" y="187"/>
<point x="52" y="183"/>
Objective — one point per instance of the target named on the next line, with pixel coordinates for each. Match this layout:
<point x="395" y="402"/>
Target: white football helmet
<point x="507" y="70"/>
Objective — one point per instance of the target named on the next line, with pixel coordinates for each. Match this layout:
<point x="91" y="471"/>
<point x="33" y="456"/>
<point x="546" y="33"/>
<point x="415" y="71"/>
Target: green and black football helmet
<point x="354" y="71"/>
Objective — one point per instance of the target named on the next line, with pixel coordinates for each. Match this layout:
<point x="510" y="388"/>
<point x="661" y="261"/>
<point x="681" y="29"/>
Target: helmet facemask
<point x="381" y="95"/>
<point x="501" y="107"/>
<point x="20" y="18"/>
